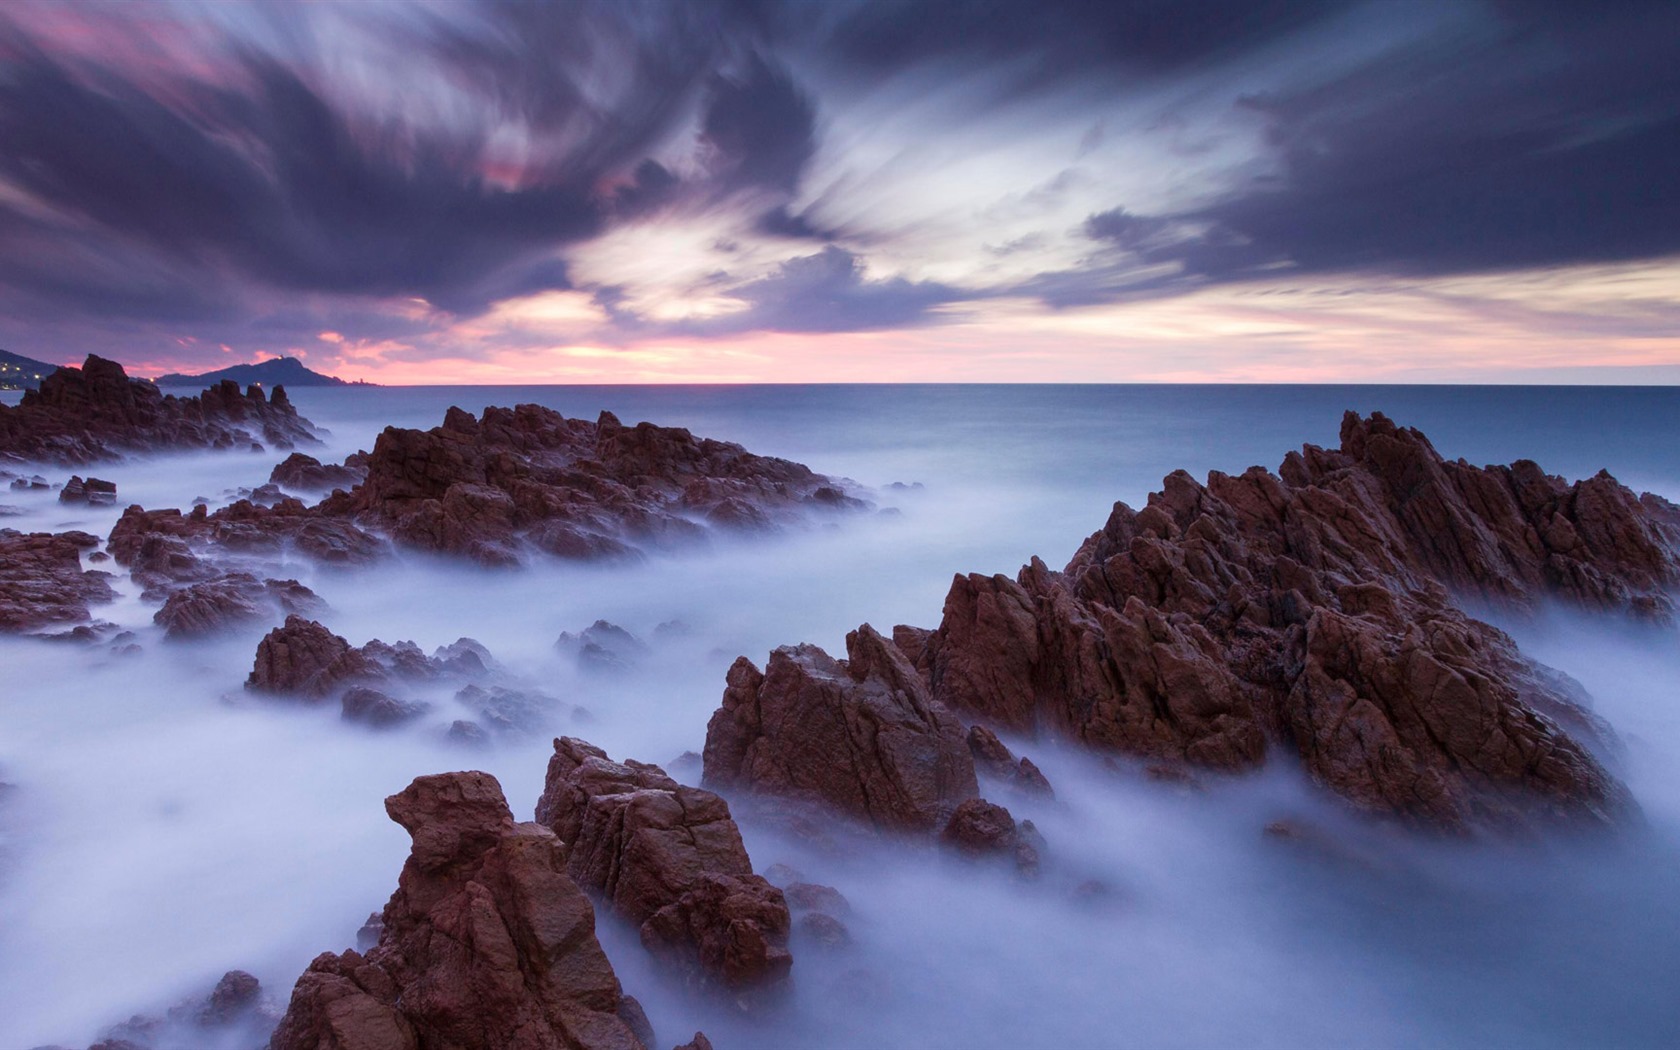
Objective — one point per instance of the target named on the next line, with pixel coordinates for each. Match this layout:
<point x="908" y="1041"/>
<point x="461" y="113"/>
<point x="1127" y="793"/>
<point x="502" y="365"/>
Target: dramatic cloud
<point x="179" y="178"/>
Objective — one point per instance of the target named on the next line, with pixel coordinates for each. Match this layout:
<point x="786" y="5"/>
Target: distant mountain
<point x="287" y="371"/>
<point x="22" y="373"/>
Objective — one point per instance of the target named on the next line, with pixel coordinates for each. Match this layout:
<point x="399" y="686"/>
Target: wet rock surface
<point x="96" y="412"/>
<point x="670" y="858"/>
<point x="42" y="581"/>
<point x="1314" y="610"/>
<point x="487" y="942"/>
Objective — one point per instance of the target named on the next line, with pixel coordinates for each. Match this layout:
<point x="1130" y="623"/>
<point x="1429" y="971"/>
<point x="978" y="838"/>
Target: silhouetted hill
<point x="287" y="371"/>
<point x="22" y="373"/>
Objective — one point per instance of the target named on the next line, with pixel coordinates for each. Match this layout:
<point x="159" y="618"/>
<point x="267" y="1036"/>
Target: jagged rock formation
<point x="42" y="581"/>
<point x="1313" y="609"/>
<point x="670" y="858"/>
<point x="862" y="735"/>
<point x="303" y="661"/>
<point x="993" y="758"/>
<point x="490" y="489"/>
<point x="233" y="1013"/>
<point x="486" y="943"/>
<point x="80" y="415"/>
<point x="229" y="600"/>
<point x="302" y="472"/>
<point x="528" y="476"/>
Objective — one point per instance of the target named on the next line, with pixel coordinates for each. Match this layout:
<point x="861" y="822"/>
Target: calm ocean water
<point x="166" y="829"/>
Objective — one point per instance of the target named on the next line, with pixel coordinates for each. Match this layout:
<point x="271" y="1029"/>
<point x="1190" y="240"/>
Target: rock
<point x="486" y="943"/>
<point x="669" y="858"/>
<point x="1313" y="609"/>
<point x="80" y="415"/>
<point x="811" y="896"/>
<point x="993" y="757"/>
<point x="305" y="659"/>
<point x="862" y="735"/>
<point x="981" y="829"/>
<point x="699" y="1042"/>
<point x="602" y="648"/>
<point x="829" y="933"/>
<point x="42" y="581"/>
<point x="468" y="734"/>
<point x="380" y="710"/>
<point x="231" y="600"/>
<point x="234" y="995"/>
<point x="510" y="710"/>
<point x="304" y="473"/>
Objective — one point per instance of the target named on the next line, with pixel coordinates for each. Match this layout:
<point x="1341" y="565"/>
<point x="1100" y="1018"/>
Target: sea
<point x="162" y="826"/>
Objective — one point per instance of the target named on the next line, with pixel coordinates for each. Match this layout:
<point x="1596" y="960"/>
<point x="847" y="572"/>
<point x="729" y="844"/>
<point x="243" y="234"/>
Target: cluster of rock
<point x="670" y="859"/>
<point x="1313" y="610"/>
<point x="866" y="738"/>
<point x="42" y="581"/>
<point x="81" y="415"/>
<point x="487" y="942"/>
<point x="374" y="683"/>
<point x="235" y="1012"/>
<point x="487" y="488"/>
<point x="93" y="491"/>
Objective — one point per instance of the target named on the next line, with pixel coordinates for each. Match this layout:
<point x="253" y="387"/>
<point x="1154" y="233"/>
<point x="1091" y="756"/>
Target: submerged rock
<point x="670" y="858"/>
<point x="487" y="942"/>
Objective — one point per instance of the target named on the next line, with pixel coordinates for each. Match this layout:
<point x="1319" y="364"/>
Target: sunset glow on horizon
<point x="717" y="193"/>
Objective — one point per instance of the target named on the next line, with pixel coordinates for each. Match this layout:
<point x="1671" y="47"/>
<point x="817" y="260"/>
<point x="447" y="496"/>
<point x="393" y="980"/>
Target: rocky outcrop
<point x="42" y="581"/>
<point x="1315" y="610"/>
<point x="669" y="858"/>
<point x="94" y="491"/>
<point x="303" y="658"/>
<point x="487" y="942"/>
<point x="862" y="735"/>
<point x="231" y="600"/>
<point x="993" y="758"/>
<point x="489" y="488"/>
<point x="80" y="415"/>
<point x="233" y="1013"/>
<point x="302" y="472"/>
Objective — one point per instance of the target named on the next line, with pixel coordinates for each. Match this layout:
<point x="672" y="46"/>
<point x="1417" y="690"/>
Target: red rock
<point x="1310" y="609"/>
<point x="486" y="943"/>
<point x="96" y="412"/>
<point x="305" y="659"/>
<point x="993" y="757"/>
<point x="699" y="1042"/>
<point x="231" y="600"/>
<point x="42" y="581"/>
<point x="304" y="473"/>
<point x="670" y="858"/>
<point x="861" y="735"/>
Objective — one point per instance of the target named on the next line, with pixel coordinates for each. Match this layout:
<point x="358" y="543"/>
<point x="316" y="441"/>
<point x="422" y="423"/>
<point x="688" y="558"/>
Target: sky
<point x="838" y="191"/>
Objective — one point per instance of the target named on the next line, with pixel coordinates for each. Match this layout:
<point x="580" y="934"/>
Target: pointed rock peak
<point x="460" y="421"/>
<point x="453" y="817"/>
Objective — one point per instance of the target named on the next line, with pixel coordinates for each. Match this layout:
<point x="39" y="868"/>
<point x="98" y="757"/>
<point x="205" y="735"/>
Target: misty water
<point x="164" y="826"/>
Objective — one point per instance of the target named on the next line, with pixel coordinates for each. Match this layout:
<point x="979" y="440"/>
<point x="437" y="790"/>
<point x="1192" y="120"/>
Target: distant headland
<point x="22" y="373"/>
<point x="288" y="371"/>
